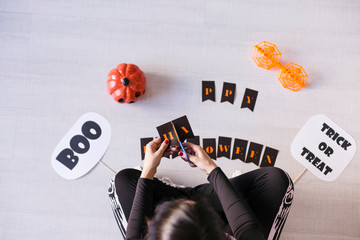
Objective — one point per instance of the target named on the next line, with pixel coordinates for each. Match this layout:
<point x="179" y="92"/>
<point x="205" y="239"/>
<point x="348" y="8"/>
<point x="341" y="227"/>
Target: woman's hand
<point x="199" y="157"/>
<point x="155" y="150"/>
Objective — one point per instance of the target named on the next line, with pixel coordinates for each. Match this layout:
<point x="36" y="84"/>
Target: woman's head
<point x="187" y="220"/>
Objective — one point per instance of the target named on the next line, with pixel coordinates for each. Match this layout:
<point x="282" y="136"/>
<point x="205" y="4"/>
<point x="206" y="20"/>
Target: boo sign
<point x="82" y="147"/>
<point x="323" y="147"/>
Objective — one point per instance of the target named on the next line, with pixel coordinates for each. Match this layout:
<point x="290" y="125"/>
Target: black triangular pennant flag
<point x="209" y="145"/>
<point x="224" y="146"/>
<point x="269" y="157"/>
<point x="166" y="131"/>
<point x="195" y="140"/>
<point x="254" y="153"/>
<point x="208" y="90"/>
<point x="228" y="92"/>
<point x="249" y="99"/>
<point x="183" y="128"/>
<point x="143" y="142"/>
<point x="239" y="149"/>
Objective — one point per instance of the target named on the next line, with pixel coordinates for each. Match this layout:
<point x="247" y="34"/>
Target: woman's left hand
<point x="155" y="150"/>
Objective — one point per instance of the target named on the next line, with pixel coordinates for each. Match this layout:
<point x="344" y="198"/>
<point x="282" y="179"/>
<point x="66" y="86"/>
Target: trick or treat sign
<point x="82" y="147"/>
<point x="323" y="147"/>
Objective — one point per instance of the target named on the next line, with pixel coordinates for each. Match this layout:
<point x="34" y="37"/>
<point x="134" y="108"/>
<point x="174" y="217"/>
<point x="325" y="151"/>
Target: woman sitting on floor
<point x="254" y="205"/>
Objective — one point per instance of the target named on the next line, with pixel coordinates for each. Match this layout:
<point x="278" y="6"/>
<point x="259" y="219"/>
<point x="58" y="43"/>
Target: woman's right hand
<point x="199" y="157"/>
<point x="155" y="150"/>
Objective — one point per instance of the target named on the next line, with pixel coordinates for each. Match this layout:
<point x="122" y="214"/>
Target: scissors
<point x="178" y="139"/>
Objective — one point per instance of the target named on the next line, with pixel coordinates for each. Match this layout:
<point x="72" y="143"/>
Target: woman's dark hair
<point x="185" y="220"/>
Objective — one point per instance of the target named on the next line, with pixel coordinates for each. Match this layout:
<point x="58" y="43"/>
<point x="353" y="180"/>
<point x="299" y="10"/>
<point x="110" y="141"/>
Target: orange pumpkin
<point x="126" y="83"/>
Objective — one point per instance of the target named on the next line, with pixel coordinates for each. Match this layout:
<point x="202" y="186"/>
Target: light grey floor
<point x="54" y="60"/>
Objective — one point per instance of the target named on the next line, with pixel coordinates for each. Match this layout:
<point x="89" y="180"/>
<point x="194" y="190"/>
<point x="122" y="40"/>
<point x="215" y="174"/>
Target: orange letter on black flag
<point x="254" y="153"/>
<point x="143" y="142"/>
<point x="269" y="157"/>
<point x="183" y="128"/>
<point x="224" y="146"/>
<point x="228" y="92"/>
<point x="208" y="90"/>
<point x="209" y="145"/>
<point x="249" y="99"/>
<point x="239" y="149"/>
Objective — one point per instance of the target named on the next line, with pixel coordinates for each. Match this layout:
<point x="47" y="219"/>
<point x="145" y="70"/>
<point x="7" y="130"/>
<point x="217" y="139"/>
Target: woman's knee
<point x="126" y="177"/>
<point x="274" y="172"/>
<point x="277" y="177"/>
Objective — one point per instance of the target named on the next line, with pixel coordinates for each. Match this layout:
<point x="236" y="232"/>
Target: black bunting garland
<point x="228" y="94"/>
<point x="179" y="130"/>
<point x="248" y="152"/>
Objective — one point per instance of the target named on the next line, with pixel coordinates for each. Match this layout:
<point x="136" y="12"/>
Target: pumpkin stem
<point x="125" y="81"/>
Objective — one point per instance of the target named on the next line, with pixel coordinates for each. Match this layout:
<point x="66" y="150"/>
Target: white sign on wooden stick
<point x="323" y="147"/>
<point x="82" y="147"/>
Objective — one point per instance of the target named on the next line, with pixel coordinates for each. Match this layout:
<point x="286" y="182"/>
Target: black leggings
<point x="268" y="191"/>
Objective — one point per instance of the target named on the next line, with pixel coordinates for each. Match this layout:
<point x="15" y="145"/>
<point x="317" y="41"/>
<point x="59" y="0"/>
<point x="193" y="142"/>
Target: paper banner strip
<point x="228" y="94"/>
<point x="223" y="149"/>
<point x="241" y="149"/>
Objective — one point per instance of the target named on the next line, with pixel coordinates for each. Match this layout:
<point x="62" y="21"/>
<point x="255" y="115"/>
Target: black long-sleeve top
<point x="239" y="215"/>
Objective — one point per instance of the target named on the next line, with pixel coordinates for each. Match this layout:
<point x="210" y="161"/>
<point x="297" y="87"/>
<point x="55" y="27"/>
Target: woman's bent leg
<point x="125" y="186"/>
<point x="269" y="192"/>
<point x="126" y="182"/>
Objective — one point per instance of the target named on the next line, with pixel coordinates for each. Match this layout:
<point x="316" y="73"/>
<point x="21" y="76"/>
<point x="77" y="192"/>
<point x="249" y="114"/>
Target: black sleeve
<point x="239" y="215"/>
<point x="142" y="205"/>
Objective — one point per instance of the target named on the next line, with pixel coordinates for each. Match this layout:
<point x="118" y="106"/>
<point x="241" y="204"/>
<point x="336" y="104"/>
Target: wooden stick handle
<point x="300" y="175"/>
<point x="108" y="167"/>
